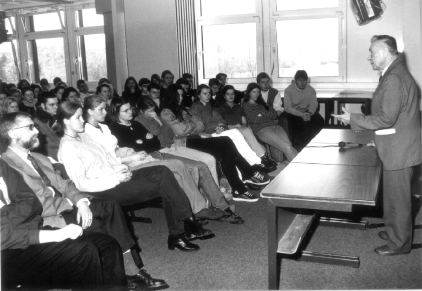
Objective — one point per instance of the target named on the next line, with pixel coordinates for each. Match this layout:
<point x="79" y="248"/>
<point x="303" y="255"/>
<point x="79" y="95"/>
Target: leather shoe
<point x="383" y="234"/>
<point x="386" y="251"/>
<point x="195" y="230"/>
<point x="209" y="213"/>
<point x="146" y="282"/>
<point x="180" y="242"/>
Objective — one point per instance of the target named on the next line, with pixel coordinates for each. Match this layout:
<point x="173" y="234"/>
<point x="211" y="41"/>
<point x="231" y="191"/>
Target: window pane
<point x="227" y="7"/>
<point x="48" y="56"/>
<point x="310" y="45"/>
<point x="89" y="18"/>
<point x="8" y="71"/>
<point x="94" y="65"/>
<point x="7" y="23"/>
<point x="305" y="4"/>
<point x="230" y="49"/>
<point x="47" y="21"/>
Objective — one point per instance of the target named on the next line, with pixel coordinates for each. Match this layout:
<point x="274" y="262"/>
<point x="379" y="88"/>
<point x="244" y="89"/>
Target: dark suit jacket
<point x="395" y="104"/>
<point x="52" y="206"/>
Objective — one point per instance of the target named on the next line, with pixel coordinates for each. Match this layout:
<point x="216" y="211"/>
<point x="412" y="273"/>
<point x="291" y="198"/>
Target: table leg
<point x="273" y="259"/>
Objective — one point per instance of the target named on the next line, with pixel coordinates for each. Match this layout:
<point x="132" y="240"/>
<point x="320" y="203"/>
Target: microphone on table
<point x="342" y="144"/>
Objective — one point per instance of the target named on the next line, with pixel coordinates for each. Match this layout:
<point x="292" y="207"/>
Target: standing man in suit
<point x="62" y="203"/>
<point x="396" y="119"/>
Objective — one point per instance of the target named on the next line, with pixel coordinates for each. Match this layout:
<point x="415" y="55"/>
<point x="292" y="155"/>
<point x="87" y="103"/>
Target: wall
<point x="151" y="37"/>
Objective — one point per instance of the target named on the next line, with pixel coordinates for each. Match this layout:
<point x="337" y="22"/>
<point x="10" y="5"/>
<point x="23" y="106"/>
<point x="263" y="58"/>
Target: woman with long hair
<point x="264" y="123"/>
<point x="188" y="132"/>
<point x="90" y="169"/>
<point x="134" y="135"/>
<point x="58" y="90"/>
<point x="131" y="91"/>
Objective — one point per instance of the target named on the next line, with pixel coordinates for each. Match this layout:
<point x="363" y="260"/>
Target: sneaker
<point x="210" y="213"/>
<point x="230" y="217"/>
<point x="247" y="197"/>
<point x="263" y="167"/>
<point x="258" y="178"/>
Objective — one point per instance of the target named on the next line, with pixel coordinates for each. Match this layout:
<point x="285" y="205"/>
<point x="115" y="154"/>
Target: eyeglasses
<point x="30" y="126"/>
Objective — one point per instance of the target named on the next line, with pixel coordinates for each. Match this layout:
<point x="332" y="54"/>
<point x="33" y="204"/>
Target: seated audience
<point x="155" y="78"/>
<point x="270" y="95"/>
<point x="103" y="138"/>
<point x="189" y="133"/>
<point x="45" y="86"/>
<point x="46" y="122"/>
<point x="37" y="258"/>
<point x="58" y="91"/>
<point x="235" y="117"/>
<point x="72" y="95"/>
<point x="83" y="89"/>
<point x="215" y="125"/>
<point x="56" y="81"/>
<point x="104" y="90"/>
<point x="143" y="85"/>
<point x="15" y="92"/>
<point x="223" y="81"/>
<point x="216" y="97"/>
<point x="131" y="91"/>
<point x="62" y="203"/>
<point x="112" y="90"/>
<point x="264" y="123"/>
<point x="10" y="104"/>
<point x="301" y="107"/>
<point x="23" y="83"/>
<point x="134" y="135"/>
<point x="187" y="97"/>
<point x="90" y="169"/>
<point x="167" y="78"/>
<point x="36" y="89"/>
<point x="189" y="77"/>
<point x="154" y="94"/>
<point x="28" y="101"/>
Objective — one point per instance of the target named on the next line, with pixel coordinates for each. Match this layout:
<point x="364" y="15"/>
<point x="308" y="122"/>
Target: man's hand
<point x="85" y="214"/>
<point x="219" y="129"/>
<point x="344" y="118"/>
<point x="139" y="156"/>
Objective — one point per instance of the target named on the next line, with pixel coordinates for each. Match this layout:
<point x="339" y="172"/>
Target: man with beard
<point x="62" y="202"/>
<point x="45" y="119"/>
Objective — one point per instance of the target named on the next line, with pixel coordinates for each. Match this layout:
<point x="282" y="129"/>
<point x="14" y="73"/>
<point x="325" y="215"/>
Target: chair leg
<point x="133" y="218"/>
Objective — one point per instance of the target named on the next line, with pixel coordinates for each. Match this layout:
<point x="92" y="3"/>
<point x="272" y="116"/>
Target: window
<point x="243" y="38"/>
<point x="8" y="69"/>
<point x="67" y="42"/>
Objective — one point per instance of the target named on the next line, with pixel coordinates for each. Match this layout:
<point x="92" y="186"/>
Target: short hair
<point x="261" y="76"/>
<point x="67" y="91"/>
<point x="166" y="72"/>
<point x="226" y="88"/>
<point x="24" y="89"/>
<point x="301" y="74"/>
<point x="103" y="80"/>
<point x="153" y="86"/>
<point x="187" y="76"/>
<point x="7" y="122"/>
<point x="44" y="96"/>
<point x="14" y="90"/>
<point x="65" y="111"/>
<point x="389" y="41"/>
<point x="21" y="82"/>
<point x="219" y="75"/>
<point x="143" y="81"/>
<point x="156" y="77"/>
<point x="115" y="105"/>
<point x="214" y="81"/>
<point x="80" y="82"/>
<point x="10" y="86"/>
<point x="57" y="80"/>
<point x="7" y="102"/>
<point x="91" y="102"/>
<point x="102" y="85"/>
<point x="44" y="82"/>
<point x="36" y="86"/>
<point x="200" y="87"/>
<point x="182" y="81"/>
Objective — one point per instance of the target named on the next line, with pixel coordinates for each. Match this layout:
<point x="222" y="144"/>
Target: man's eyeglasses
<point x="30" y="126"/>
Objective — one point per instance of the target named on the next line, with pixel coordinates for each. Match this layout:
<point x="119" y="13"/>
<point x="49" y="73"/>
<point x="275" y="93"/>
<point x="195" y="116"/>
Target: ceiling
<point x="28" y="5"/>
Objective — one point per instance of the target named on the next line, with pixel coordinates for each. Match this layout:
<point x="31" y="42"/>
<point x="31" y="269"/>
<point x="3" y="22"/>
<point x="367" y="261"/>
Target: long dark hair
<point x="65" y="111"/>
<point x="146" y="103"/>
<point x="171" y="101"/>
<point x="260" y="100"/>
<point x="67" y="92"/>
<point x="127" y="90"/>
<point x="115" y="105"/>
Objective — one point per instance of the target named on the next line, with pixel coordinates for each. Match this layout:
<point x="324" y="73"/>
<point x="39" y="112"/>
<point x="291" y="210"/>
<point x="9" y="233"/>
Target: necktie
<point x="43" y="176"/>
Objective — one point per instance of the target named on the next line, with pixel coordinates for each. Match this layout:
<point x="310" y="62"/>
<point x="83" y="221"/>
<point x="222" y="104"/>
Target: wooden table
<point x="318" y="179"/>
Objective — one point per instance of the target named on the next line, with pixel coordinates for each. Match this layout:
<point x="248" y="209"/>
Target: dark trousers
<point x="107" y="218"/>
<point x="302" y="132"/>
<point x="94" y="259"/>
<point x="149" y="183"/>
<point x="224" y="151"/>
<point x="397" y="207"/>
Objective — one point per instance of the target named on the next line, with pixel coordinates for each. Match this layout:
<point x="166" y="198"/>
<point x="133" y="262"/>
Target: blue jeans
<point x="275" y="136"/>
